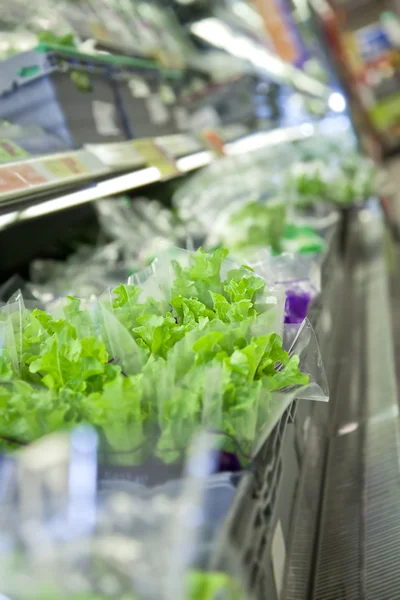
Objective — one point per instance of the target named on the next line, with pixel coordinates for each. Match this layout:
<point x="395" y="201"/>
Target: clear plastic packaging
<point x="299" y="278"/>
<point x="60" y="538"/>
<point x="195" y="344"/>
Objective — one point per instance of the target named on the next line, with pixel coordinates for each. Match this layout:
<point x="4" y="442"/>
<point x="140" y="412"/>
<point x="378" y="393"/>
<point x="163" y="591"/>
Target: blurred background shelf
<point x="34" y="187"/>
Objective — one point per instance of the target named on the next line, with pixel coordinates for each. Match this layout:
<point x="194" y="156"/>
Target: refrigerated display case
<point x="228" y="413"/>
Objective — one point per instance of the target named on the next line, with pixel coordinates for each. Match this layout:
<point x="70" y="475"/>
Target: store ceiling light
<point x="337" y="102"/>
<point x="217" y="34"/>
<point x="248" y="14"/>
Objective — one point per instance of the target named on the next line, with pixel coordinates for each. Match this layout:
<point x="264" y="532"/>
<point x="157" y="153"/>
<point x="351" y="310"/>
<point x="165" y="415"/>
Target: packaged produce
<point x="63" y="539"/>
<point x="298" y="277"/>
<point x="87" y="273"/>
<point x="193" y="342"/>
<point x="255" y="225"/>
<point x="342" y="179"/>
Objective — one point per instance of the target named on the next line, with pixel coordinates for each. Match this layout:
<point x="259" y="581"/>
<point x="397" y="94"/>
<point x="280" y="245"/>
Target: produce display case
<point x="147" y="375"/>
<point x="39" y="90"/>
<point x="254" y="511"/>
<point x="85" y="99"/>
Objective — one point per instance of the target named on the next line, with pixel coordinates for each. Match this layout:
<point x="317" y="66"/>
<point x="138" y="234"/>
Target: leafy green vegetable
<point x="152" y="373"/>
<point x="346" y="180"/>
<point x="210" y="586"/>
<point x="51" y="38"/>
<point x="201" y="585"/>
<point x="257" y="225"/>
<point x="302" y="240"/>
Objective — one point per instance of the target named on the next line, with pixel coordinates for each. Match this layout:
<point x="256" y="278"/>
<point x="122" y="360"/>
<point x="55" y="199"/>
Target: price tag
<point x="10" y="151"/>
<point x="105" y="118"/>
<point x="75" y="166"/>
<point x="154" y="156"/>
<point x="157" y="111"/>
<point x="10" y="181"/>
<point x="120" y="154"/>
<point x="214" y="141"/>
<point x="65" y="167"/>
<point x="28" y="173"/>
<point x="179" y="144"/>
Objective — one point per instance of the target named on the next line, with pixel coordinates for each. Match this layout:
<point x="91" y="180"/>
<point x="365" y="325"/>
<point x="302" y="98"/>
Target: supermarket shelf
<point x="36" y="186"/>
<point x="270" y="63"/>
<point x="218" y="34"/>
<point x="33" y="187"/>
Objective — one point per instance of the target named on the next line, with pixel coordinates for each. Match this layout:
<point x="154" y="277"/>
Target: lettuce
<point x="257" y="225"/>
<point x="208" y="586"/>
<point x="202" y="364"/>
<point x="200" y="585"/>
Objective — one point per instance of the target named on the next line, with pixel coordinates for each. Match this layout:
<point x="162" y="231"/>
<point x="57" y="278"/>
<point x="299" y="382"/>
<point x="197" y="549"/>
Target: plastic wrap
<point x="297" y="277"/>
<point x="196" y="345"/>
<point x="86" y="274"/>
<point x="60" y="538"/>
<point x="144" y="227"/>
<point x="140" y="229"/>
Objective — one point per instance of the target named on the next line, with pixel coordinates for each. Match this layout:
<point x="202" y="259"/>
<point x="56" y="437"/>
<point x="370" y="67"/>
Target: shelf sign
<point x="10" y="181"/>
<point x="10" y="151"/>
<point x="17" y="177"/>
<point x="65" y="167"/>
<point x="28" y="173"/>
<point x="155" y="156"/>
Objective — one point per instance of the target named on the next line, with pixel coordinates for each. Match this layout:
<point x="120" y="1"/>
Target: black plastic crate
<point x="262" y="502"/>
<point x="147" y="100"/>
<point x="69" y="97"/>
<point x="230" y="102"/>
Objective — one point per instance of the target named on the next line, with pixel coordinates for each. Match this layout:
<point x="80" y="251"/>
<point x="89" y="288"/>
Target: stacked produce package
<point x="157" y="368"/>
<point x="61" y="537"/>
<point x="194" y="340"/>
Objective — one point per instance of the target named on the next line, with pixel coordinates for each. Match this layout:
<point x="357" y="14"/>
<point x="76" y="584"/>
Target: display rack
<point x="36" y="186"/>
<point x="305" y="511"/>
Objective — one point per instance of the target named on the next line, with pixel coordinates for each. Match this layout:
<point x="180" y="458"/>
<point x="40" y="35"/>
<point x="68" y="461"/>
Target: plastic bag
<point x="86" y="274"/>
<point x="297" y="277"/>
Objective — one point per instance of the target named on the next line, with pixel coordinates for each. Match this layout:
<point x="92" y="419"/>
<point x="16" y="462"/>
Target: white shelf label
<point x="104" y="115"/>
<point x="182" y="119"/>
<point x="139" y="88"/>
<point x="158" y="112"/>
<point x="204" y="118"/>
